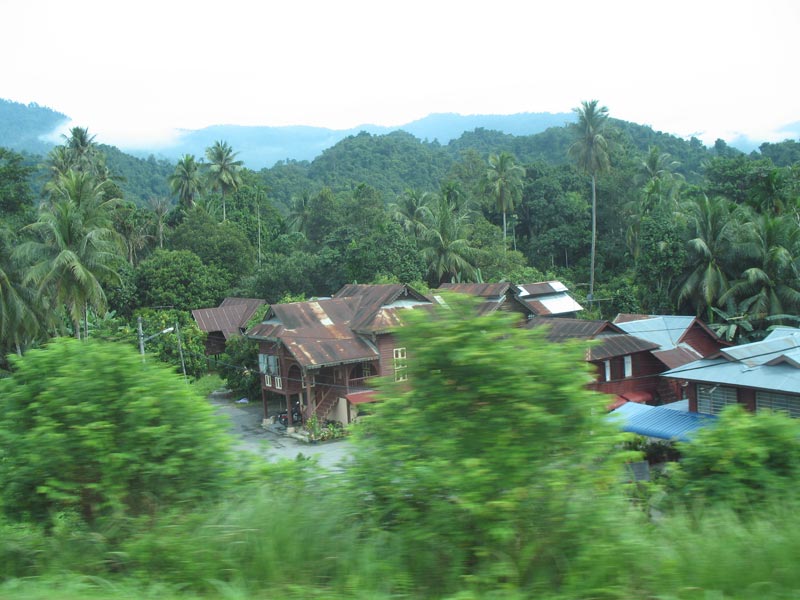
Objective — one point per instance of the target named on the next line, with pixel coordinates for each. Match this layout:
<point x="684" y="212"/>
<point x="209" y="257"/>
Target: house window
<point x="400" y="364"/>
<point x="628" y="366"/>
<point x="711" y="399"/>
<point x="366" y="370"/>
<point x="278" y="383"/>
<point x="267" y="380"/>
<point x="774" y="401"/>
<point x="607" y="368"/>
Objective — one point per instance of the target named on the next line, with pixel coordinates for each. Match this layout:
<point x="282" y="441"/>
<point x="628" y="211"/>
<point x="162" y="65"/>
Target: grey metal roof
<point x="665" y="330"/>
<point x="778" y="378"/>
<point x="765" y="351"/>
<point x="660" y="421"/>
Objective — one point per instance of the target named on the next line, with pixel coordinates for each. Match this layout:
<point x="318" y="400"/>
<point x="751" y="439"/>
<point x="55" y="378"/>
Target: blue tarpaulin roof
<point x="660" y="421"/>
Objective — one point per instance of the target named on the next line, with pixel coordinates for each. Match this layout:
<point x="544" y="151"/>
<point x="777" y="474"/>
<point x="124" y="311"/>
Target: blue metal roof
<point x="660" y="421"/>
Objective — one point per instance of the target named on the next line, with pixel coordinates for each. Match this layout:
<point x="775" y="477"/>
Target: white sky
<point x="134" y="70"/>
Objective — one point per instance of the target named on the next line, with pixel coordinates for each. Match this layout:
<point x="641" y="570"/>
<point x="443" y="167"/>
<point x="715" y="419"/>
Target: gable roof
<point x="334" y="330"/>
<point x="229" y="318"/>
<point x="375" y="306"/>
<point x="666" y="330"/>
<point x="772" y="364"/>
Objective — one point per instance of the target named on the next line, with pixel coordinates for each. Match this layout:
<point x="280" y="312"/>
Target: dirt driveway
<point x="271" y="443"/>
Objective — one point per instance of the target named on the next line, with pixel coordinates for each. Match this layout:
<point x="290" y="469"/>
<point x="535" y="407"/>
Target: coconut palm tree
<point x="75" y="249"/>
<point x="504" y="179"/>
<point x="445" y="247"/>
<point x="185" y="181"/>
<point x="224" y="172"/>
<point x="771" y="286"/>
<point x="18" y="321"/>
<point x="300" y="212"/>
<point x="160" y="208"/>
<point x="412" y="210"/>
<point x="711" y="249"/>
<point x="590" y="153"/>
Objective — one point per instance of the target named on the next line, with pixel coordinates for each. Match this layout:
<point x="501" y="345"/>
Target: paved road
<point x="269" y="443"/>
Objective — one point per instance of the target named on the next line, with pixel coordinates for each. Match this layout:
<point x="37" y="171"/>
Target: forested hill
<point x="23" y="125"/>
<point x="398" y="161"/>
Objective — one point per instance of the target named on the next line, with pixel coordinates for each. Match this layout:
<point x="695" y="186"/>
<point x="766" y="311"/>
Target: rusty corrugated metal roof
<point x="619" y="344"/>
<point x="316" y="333"/>
<point x="375" y="307"/>
<point x="229" y="317"/>
<point x="678" y="356"/>
<point x="569" y="329"/>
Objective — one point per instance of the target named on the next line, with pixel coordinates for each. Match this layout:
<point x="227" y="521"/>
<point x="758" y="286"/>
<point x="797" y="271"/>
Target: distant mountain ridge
<point x="262" y="147"/>
<point x="28" y="127"/>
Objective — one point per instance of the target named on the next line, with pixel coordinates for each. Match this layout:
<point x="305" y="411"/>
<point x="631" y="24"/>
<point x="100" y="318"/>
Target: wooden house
<point x="322" y="353"/>
<point x="761" y="375"/>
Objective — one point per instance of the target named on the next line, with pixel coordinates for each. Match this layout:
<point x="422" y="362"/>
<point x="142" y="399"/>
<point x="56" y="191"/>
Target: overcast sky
<point x="135" y="70"/>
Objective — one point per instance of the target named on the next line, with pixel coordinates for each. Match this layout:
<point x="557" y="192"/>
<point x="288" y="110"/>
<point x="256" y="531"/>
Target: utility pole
<point x="141" y="337"/>
<point x="180" y="350"/>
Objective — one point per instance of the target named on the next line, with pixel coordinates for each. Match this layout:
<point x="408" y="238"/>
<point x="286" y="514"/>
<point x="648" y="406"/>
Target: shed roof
<point x="660" y="421"/>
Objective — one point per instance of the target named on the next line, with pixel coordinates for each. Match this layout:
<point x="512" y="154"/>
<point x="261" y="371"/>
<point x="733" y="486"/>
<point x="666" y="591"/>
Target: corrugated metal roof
<point x="611" y="341"/>
<point x="316" y="333"/>
<point x="541" y="289"/>
<point x="229" y="317"/>
<point x="676" y="357"/>
<point x="778" y="378"/>
<point x="552" y="304"/>
<point x="766" y="351"/>
<point x="665" y="330"/>
<point x="563" y="329"/>
<point x="327" y="331"/>
<point x="659" y="421"/>
<point x="782" y="331"/>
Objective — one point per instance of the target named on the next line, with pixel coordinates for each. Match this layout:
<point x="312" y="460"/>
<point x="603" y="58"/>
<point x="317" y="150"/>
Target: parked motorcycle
<point x="297" y="415"/>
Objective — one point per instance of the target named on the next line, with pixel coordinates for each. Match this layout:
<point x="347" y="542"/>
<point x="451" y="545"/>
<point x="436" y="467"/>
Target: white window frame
<point x="607" y="369"/>
<point x="628" y="365"/>
<point x="400" y="364"/>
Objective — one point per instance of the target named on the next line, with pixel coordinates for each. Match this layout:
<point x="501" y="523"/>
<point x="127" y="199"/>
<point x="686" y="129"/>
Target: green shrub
<point x="88" y="427"/>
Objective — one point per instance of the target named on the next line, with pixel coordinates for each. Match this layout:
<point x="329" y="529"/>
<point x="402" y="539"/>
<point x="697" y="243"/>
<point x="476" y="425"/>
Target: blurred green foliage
<point x="89" y="427"/>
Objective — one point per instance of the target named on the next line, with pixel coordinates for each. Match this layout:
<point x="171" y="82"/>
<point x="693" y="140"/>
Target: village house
<point x="228" y="319"/>
<point x="321" y="353"/>
<point x="762" y="375"/>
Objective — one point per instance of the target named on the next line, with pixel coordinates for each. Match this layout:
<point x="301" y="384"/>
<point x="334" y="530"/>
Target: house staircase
<point x="326" y="403"/>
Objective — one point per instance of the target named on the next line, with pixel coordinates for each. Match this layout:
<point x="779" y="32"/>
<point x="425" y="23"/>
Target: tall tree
<point x="411" y="210"/>
<point x="76" y="249"/>
<point x="590" y="153"/>
<point x="504" y="179"/>
<point x="224" y="171"/>
<point x="185" y="182"/>
<point x="710" y="250"/>
<point x="445" y="247"/>
<point x="160" y="208"/>
<point x="771" y="285"/>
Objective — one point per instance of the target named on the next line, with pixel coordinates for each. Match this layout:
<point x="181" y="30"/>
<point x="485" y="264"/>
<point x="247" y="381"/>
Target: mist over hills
<point x="35" y="129"/>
